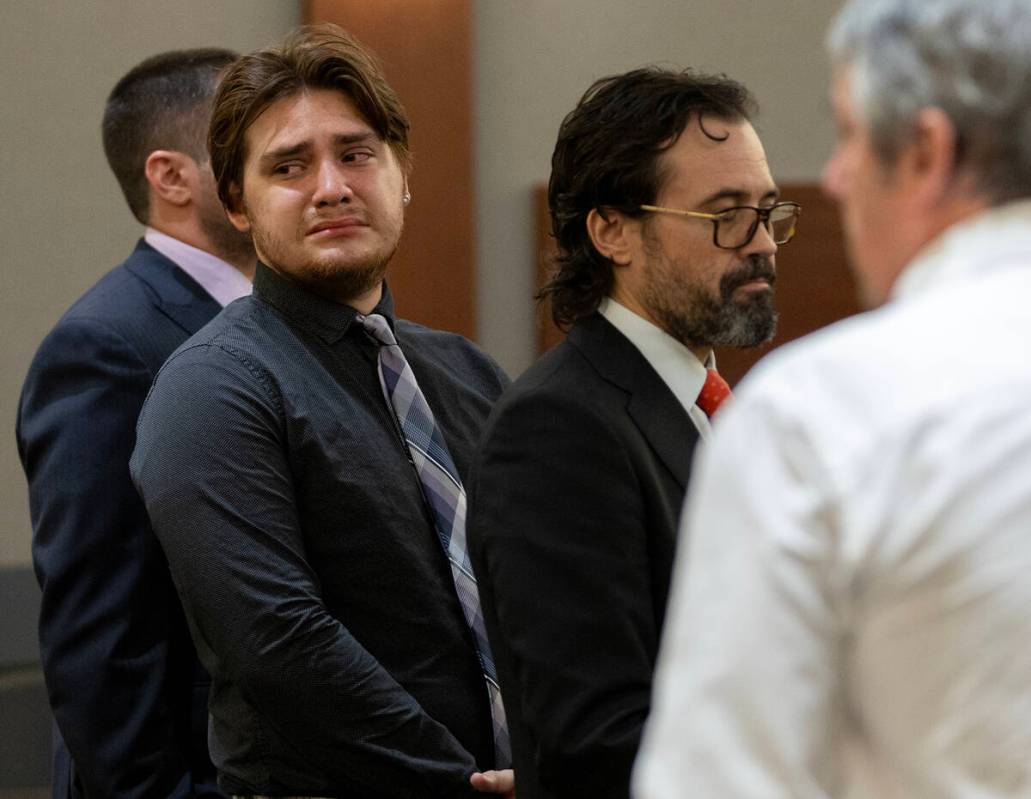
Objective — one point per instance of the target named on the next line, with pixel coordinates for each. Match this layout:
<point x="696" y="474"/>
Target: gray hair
<point x="969" y="58"/>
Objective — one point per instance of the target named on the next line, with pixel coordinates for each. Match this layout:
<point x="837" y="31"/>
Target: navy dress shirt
<point x="313" y="580"/>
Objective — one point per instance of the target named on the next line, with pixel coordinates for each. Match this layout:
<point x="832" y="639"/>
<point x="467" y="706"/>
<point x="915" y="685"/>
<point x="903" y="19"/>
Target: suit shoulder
<point x="112" y="315"/>
<point x="116" y="299"/>
<point x="563" y="371"/>
<point x="119" y="315"/>
<point x="561" y="384"/>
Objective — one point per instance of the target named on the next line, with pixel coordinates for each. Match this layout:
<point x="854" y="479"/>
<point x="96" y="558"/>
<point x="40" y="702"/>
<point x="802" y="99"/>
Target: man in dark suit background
<point x="128" y="694"/>
<point x="667" y="222"/>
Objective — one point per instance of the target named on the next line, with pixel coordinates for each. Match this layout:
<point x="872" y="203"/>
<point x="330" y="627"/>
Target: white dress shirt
<point x="851" y="611"/>
<point x="221" y="280"/>
<point x="675" y="364"/>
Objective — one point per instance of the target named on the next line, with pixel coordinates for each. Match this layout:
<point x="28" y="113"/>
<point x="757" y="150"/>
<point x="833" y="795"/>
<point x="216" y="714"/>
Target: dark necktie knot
<point x="714" y="392"/>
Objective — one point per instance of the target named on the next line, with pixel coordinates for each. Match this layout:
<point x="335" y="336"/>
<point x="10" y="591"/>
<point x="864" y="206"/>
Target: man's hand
<point x="502" y="782"/>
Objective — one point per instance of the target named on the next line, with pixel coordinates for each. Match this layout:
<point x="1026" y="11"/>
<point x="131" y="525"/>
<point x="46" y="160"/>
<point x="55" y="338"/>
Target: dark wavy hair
<point x="607" y="157"/>
<point x="162" y="103"/>
<point x="312" y="57"/>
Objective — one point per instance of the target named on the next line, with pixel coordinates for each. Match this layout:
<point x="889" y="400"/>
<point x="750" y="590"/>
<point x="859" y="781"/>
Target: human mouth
<point x="753" y="277"/>
<point x="759" y="284"/>
<point x="342" y="226"/>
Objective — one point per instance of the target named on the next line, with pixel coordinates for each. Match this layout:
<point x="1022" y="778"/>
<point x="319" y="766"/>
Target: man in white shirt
<point x="128" y="694"/>
<point x="850" y="614"/>
<point x="667" y="222"/>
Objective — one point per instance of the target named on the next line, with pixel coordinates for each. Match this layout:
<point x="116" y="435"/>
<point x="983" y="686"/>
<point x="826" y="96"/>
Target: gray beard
<point x="698" y="319"/>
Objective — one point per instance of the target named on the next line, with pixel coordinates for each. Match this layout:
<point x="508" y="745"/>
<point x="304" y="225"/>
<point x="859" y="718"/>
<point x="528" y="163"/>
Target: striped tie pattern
<point x="442" y="489"/>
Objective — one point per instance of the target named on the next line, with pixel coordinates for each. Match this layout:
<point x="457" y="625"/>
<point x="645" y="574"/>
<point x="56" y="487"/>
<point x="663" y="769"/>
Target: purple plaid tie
<point x="443" y="492"/>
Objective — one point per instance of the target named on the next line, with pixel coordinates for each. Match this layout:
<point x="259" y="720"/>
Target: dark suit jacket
<point x="128" y="694"/>
<point x="574" y="503"/>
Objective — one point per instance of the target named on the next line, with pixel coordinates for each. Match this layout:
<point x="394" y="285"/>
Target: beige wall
<point x="64" y="222"/>
<point x="534" y="58"/>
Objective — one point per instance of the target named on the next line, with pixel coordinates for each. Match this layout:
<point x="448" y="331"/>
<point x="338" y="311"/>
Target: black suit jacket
<point x="128" y="693"/>
<point x="574" y="503"/>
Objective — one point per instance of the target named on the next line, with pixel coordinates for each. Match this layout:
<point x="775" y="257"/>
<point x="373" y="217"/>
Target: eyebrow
<point x="301" y="147"/>
<point x="737" y="195"/>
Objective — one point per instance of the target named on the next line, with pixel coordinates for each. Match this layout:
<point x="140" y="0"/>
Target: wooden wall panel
<point x="425" y="48"/>
<point x="814" y="284"/>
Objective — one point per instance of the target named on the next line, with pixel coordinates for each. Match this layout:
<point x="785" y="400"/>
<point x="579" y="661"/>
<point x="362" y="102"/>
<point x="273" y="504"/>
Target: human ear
<point x="928" y="162"/>
<point x="613" y="234"/>
<point x="236" y="211"/>
<point x="169" y="174"/>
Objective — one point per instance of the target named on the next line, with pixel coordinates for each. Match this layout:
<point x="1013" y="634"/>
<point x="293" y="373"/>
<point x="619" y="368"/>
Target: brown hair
<point x="607" y="157"/>
<point x="312" y="57"/>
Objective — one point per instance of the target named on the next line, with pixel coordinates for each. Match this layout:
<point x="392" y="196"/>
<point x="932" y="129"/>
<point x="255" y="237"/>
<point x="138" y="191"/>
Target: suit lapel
<point x="175" y="294"/>
<point x="651" y="405"/>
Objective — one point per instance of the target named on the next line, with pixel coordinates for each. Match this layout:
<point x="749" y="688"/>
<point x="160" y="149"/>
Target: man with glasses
<point x="667" y="222"/>
<point x="852" y="608"/>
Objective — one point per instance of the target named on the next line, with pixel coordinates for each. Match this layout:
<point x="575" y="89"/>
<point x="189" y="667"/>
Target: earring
<point x="407" y="198"/>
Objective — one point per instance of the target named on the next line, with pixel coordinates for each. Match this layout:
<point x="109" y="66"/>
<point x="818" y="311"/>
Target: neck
<point x="188" y="230"/>
<point x="366" y="302"/>
<point x="629" y="301"/>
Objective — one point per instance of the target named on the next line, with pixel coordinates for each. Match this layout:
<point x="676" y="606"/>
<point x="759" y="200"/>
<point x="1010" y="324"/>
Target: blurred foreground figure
<point x="852" y="614"/>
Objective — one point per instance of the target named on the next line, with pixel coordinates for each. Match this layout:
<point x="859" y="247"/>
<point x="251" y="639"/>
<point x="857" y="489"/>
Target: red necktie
<point x="714" y="392"/>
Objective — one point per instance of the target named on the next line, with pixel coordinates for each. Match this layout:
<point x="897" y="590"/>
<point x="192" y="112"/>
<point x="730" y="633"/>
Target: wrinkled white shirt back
<point x="851" y="612"/>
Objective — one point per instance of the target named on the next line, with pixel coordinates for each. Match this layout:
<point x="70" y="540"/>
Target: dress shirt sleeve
<point x="212" y="464"/>
<point x="557" y="519"/>
<point x="105" y="617"/>
<point x="747" y="700"/>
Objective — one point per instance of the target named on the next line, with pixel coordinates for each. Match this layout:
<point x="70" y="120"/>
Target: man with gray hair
<point x="851" y="613"/>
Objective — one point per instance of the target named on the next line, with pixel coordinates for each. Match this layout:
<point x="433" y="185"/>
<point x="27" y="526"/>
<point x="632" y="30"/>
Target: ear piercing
<point x="407" y="198"/>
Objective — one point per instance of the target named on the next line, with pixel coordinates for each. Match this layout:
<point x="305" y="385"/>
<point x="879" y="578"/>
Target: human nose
<point x="331" y="185"/>
<point x="762" y="242"/>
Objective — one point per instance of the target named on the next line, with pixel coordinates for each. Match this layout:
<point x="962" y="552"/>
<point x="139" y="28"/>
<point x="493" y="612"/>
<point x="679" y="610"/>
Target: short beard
<point x="695" y="318"/>
<point x="353" y="281"/>
<point x="341" y="282"/>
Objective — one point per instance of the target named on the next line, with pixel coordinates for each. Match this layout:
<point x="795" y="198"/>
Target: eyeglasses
<point x="734" y="228"/>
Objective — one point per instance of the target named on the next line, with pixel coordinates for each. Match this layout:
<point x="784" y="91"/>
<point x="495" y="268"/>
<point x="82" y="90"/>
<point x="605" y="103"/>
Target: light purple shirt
<point x="223" y="281"/>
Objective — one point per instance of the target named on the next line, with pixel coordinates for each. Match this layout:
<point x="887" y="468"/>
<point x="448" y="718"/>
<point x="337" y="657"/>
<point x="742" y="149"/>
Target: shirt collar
<point x="675" y="364"/>
<point x="998" y="236"/>
<point x="328" y="319"/>
<point x="223" y="281"/>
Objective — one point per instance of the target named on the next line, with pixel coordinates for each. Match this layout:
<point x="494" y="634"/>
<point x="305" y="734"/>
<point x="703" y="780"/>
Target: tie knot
<point x="714" y="392"/>
<point x="377" y="326"/>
